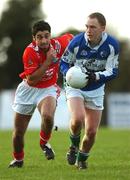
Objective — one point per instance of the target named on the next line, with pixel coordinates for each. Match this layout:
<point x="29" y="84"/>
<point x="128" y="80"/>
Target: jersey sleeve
<point x="62" y="42"/>
<point x="67" y="59"/>
<point x="111" y="69"/>
<point x="30" y="61"/>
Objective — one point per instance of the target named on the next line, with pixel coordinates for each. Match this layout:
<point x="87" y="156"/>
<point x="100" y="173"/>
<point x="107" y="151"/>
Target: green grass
<point x="109" y="159"/>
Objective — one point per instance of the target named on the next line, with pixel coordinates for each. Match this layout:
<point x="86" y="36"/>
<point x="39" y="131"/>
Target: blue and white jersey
<point x="101" y="59"/>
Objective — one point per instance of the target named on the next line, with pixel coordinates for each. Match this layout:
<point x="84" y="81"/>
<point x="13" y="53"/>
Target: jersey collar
<point x="104" y="37"/>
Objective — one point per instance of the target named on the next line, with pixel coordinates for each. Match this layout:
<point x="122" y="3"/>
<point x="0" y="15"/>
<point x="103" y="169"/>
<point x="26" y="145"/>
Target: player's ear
<point x="103" y="28"/>
<point x="33" y="37"/>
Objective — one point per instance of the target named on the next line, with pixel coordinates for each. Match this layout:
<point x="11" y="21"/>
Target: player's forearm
<point x="64" y="67"/>
<point x="111" y="69"/>
<point x="34" y="78"/>
<point x="108" y="75"/>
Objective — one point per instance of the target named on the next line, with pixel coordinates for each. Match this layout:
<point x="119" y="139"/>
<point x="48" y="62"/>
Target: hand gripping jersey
<point x="102" y="59"/>
<point x="33" y="58"/>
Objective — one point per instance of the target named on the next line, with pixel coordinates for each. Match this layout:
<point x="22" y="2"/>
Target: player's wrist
<point x="92" y="77"/>
<point x="97" y="76"/>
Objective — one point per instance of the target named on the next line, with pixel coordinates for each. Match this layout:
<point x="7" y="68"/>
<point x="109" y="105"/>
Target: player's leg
<point x="93" y="113"/>
<point x="92" y="122"/>
<point x="76" y="108"/>
<point x="47" y="109"/>
<point x="20" y="125"/>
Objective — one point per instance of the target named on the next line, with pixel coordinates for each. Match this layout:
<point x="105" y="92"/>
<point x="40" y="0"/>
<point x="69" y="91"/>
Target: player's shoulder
<point x="30" y="49"/>
<point x="61" y="42"/>
<point x="78" y="37"/>
<point x="76" y="41"/>
<point x="65" y="37"/>
<point x="112" y="41"/>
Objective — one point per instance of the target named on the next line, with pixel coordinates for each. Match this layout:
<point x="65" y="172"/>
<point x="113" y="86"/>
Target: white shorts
<point x="91" y="102"/>
<point x="27" y="97"/>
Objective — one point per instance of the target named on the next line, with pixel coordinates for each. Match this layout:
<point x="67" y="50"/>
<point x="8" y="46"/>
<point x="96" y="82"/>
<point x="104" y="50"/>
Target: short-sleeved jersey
<point x="33" y="58"/>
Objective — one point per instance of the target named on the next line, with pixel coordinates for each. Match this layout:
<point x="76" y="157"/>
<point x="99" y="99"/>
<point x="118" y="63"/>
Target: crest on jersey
<point x="103" y="54"/>
<point x="83" y="53"/>
<point x="57" y="46"/>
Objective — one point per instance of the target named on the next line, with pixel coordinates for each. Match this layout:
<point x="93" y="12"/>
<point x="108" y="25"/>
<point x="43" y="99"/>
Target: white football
<point x="76" y="78"/>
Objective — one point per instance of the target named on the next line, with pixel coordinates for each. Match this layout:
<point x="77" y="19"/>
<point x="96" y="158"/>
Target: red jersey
<point x="34" y="57"/>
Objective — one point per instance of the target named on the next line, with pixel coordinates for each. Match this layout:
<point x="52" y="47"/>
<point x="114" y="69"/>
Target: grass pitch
<point x="109" y="159"/>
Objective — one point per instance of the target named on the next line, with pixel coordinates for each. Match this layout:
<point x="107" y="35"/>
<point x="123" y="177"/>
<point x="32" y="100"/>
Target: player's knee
<point x="47" y="116"/>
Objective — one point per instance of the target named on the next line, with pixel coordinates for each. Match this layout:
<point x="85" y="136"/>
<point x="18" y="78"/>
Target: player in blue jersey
<point x="97" y="54"/>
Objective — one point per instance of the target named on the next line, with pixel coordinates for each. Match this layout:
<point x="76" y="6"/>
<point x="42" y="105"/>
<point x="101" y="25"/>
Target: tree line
<point x="15" y="35"/>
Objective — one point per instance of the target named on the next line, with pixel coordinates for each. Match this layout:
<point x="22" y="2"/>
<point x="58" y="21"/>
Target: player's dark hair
<point x="40" y="26"/>
<point x="100" y="17"/>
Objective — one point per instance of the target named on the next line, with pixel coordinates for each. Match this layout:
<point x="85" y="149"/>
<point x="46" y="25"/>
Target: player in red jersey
<point x="38" y="89"/>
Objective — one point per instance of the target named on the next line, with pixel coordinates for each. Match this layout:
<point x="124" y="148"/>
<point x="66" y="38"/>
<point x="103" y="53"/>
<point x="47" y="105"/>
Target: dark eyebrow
<point x="41" y="36"/>
<point x="92" y="26"/>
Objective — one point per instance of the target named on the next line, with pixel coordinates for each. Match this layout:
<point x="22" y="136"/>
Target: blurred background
<point x="16" y="19"/>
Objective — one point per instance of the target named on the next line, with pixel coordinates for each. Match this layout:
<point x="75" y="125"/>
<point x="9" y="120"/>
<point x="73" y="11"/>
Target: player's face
<point x="94" y="30"/>
<point x="42" y="39"/>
